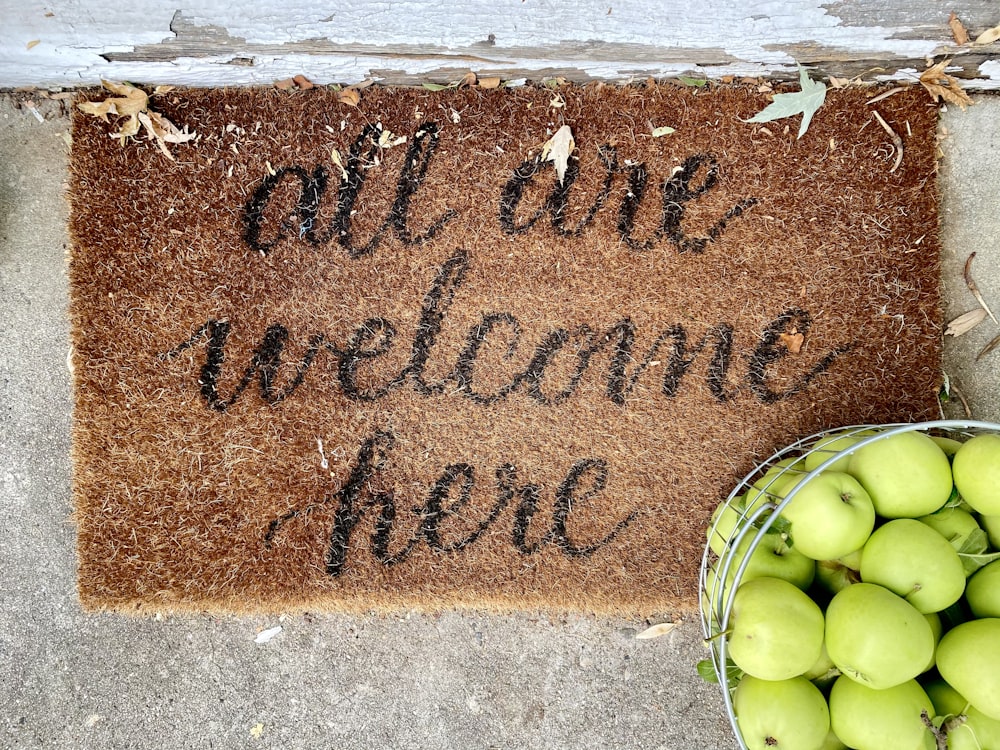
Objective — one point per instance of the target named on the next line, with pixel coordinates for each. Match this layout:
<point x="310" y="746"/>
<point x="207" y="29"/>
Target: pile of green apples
<point x="867" y="614"/>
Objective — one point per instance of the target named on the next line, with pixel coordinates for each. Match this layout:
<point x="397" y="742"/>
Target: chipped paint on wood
<point x="414" y="41"/>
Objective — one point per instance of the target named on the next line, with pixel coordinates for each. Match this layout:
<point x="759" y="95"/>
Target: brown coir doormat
<point x="354" y="358"/>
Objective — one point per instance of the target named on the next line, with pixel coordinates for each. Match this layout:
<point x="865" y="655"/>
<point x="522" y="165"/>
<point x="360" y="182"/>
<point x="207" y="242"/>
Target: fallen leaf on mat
<point x="557" y="150"/>
<point x="965" y="323"/>
<point x="265" y="636"/>
<point x="349" y="96"/>
<point x="940" y="85"/>
<point x="792" y="341"/>
<point x="286" y="84"/>
<point x="656" y="631"/>
<point x="970" y="282"/>
<point x="469" y="79"/>
<point x="257" y="731"/>
<point x="838" y="83"/>
<point x="493" y="82"/>
<point x="989" y="36"/>
<point x="662" y="131"/>
<point x="804" y="102"/>
<point x="958" y="30"/>
<point x="303" y="83"/>
<point x="161" y="130"/>
<point x="988" y="348"/>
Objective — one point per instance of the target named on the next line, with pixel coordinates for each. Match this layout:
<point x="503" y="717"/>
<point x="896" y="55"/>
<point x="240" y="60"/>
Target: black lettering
<point x="354" y="353"/>
<point x="473" y="343"/>
<point x="770" y="350"/>
<point x="567" y="500"/>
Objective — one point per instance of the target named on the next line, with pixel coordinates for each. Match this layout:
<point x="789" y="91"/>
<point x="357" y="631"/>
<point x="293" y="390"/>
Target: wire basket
<point x="764" y="516"/>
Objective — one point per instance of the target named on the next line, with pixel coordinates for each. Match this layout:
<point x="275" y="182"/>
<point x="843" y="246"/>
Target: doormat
<point x="417" y="354"/>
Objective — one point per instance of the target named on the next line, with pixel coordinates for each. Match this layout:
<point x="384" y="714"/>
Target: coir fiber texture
<point x="363" y="358"/>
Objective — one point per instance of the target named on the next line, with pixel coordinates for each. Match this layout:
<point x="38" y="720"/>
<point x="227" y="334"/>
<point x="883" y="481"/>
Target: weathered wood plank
<point x="417" y="41"/>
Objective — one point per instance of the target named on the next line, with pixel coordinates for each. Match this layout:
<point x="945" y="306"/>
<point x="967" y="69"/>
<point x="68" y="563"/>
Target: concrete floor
<point x="75" y="680"/>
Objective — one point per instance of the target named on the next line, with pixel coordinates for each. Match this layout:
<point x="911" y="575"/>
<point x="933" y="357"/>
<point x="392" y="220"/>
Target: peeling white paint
<point x="408" y="38"/>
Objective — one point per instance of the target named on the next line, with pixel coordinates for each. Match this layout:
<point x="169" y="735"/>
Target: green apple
<point x="831" y="515"/>
<point x="722" y="526"/>
<point x="777" y="631"/>
<point x="968" y="658"/>
<point x="906" y="474"/>
<point x="784" y="714"/>
<point x="876" y="638"/>
<point x="983" y="591"/>
<point x="912" y="560"/>
<point x="937" y="628"/>
<point x="976" y="732"/>
<point x="832" y="742"/>
<point x="835" y="575"/>
<point x="954" y="524"/>
<point x="823" y="672"/>
<point x="991" y="525"/>
<point x="949" y="445"/>
<point x="888" y="719"/>
<point x="977" y="473"/>
<point x="772" y="558"/>
<point x="771" y="487"/>
<point x="831" y="445"/>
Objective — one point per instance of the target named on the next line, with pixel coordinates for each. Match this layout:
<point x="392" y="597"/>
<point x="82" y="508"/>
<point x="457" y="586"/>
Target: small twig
<point x="975" y="289"/>
<point x="886" y="95"/>
<point x="988" y="348"/>
<point x="961" y="397"/>
<point x="896" y="140"/>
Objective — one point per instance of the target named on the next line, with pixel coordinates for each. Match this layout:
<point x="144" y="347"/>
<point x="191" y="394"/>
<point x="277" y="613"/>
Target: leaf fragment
<point x="160" y="129"/>
<point x="436" y="86"/>
<point x="33" y="43"/>
<point x="940" y="85"/>
<point x="257" y="731"/>
<point x="469" y="79"/>
<point x="265" y="636"/>
<point x="558" y="149"/>
<point x="490" y="82"/>
<point x="810" y="98"/>
<point x="970" y="282"/>
<point x="958" y="30"/>
<point x="988" y="348"/>
<point x="989" y="36"/>
<point x="695" y="82"/>
<point x="286" y="84"/>
<point x="662" y="131"/>
<point x="349" y="96"/>
<point x="965" y="322"/>
<point x="656" y="631"/>
<point x="792" y="341"/>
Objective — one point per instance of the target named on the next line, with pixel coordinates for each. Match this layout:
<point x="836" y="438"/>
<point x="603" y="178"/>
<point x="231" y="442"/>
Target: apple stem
<point x="941" y="735"/>
<point x="721" y="633"/>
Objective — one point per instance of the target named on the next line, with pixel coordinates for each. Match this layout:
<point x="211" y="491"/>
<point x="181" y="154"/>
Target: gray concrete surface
<point x="75" y="680"/>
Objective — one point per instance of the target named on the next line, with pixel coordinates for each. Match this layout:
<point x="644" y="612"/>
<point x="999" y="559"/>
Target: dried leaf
<point x="965" y="323"/>
<point x="266" y="635"/>
<point x="303" y="83"/>
<point x="838" y="83"/>
<point x="335" y="157"/>
<point x="988" y="348"/>
<point x="558" y="149"/>
<point x="130" y="102"/>
<point x="349" y="96"/>
<point x="493" y="82"/>
<point x="436" y="86"/>
<point x="469" y="79"/>
<point x="969" y="282"/>
<point x="33" y="43"/>
<point x="792" y="341"/>
<point x="161" y="130"/>
<point x="257" y="731"/>
<point x="656" y="631"/>
<point x="557" y="102"/>
<point x="662" y="131"/>
<point x="958" y="30"/>
<point x="804" y="102"/>
<point x="940" y="85"/>
<point x="696" y="82"/>
<point x="286" y="84"/>
<point x="989" y="36"/>
<point x="163" y="90"/>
